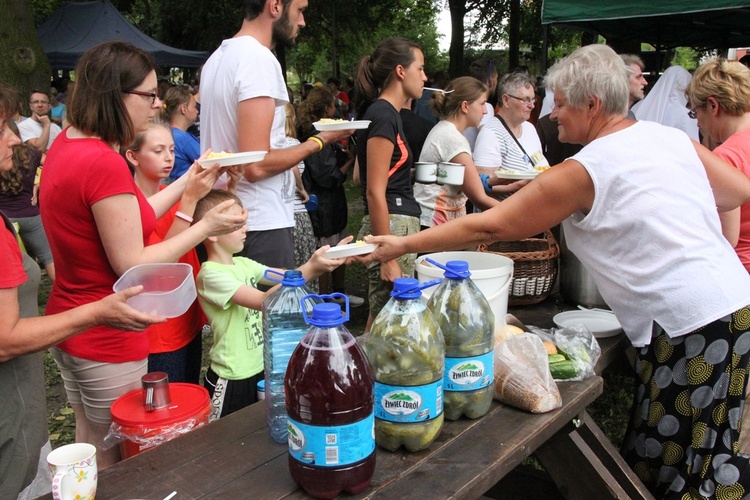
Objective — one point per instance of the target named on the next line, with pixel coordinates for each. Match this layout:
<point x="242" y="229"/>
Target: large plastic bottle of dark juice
<point x="329" y="402"/>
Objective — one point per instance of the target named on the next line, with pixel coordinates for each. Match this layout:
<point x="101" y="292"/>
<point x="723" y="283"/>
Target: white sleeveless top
<point x="652" y="240"/>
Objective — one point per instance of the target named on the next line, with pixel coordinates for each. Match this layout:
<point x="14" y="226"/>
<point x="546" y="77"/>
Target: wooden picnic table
<point x="235" y="457"/>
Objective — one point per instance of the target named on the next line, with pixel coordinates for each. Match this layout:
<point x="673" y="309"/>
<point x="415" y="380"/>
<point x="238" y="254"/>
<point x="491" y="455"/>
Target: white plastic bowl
<point x="450" y="173"/>
<point x="168" y="289"/>
<point x="601" y="324"/>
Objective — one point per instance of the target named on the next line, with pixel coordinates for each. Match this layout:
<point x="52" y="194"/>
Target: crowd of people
<point x="635" y="191"/>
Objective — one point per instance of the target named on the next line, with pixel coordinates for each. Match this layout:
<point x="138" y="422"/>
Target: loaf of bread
<point x="522" y="377"/>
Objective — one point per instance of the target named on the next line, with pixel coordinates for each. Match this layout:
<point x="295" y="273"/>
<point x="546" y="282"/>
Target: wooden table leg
<point x="584" y="464"/>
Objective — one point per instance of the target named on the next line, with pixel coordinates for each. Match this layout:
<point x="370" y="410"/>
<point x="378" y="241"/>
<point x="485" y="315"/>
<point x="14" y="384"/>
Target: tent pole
<point x="545" y="47"/>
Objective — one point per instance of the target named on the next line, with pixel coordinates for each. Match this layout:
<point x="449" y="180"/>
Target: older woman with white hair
<point x="638" y="205"/>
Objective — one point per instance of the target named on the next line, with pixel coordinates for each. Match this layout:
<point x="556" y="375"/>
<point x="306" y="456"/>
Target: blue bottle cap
<point x="262" y="385"/>
<point x="326" y="315"/>
<point x="293" y="278"/>
<point x="406" y="288"/>
<point x="457" y="269"/>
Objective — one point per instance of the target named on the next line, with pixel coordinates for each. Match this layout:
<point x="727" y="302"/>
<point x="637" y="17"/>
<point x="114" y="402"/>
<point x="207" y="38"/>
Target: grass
<point x="610" y="410"/>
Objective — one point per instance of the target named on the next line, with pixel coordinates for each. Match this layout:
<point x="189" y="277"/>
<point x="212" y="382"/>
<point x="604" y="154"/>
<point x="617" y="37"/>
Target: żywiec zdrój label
<point x="403" y="404"/>
<point x="469" y="374"/>
<point x="333" y="445"/>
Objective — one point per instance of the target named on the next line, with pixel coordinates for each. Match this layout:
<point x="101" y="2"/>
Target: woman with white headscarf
<point x="666" y="102"/>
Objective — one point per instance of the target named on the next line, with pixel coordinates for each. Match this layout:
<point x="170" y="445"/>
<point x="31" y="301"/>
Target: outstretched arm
<point x="19" y="336"/>
<point x="543" y="203"/>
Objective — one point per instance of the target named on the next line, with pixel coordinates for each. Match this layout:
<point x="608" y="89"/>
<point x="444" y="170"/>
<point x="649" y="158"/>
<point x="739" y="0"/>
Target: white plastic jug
<point x="492" y="273"/>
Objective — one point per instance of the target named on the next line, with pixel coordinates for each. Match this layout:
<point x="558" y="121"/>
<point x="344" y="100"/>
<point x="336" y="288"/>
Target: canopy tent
<point x="702" y="24"/>
<point x="77" y="26"/>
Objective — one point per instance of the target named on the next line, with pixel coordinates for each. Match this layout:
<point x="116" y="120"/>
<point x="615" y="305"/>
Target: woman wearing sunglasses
<point x="97" y="220"/>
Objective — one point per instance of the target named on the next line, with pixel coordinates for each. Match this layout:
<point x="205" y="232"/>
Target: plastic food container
<point x="425" y="172"/>
<point x="450" y="173"/>
<point x="141" y="429"/>
<point x="168" y="289"/>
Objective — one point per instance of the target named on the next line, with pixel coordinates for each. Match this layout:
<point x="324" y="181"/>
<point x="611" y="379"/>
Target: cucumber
<point x="556" y="358"/>
<point x="563" y="370"/>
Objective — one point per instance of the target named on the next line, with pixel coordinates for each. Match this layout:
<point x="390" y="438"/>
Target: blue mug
<point x="312" y="204"/>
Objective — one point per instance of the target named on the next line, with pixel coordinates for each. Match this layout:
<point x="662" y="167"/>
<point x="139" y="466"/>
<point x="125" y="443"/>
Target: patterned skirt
<point x="305" y="244"/>
<point x="682" y="440"/>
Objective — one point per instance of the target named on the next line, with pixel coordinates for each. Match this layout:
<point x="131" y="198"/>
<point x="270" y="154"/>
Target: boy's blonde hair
<point x="213" y="198"/>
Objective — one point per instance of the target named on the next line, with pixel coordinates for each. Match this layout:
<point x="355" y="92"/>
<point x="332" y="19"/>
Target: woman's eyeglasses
<point x="693" y="113"/>
<point x="152" y="95"/>
<point x="525" y="100"/>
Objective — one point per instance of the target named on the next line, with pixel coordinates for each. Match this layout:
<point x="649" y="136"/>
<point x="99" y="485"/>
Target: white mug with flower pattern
<point x="73" y="471"/>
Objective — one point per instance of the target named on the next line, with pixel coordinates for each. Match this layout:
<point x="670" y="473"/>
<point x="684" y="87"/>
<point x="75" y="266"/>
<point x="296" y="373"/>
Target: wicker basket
<point x="535" y="264"/>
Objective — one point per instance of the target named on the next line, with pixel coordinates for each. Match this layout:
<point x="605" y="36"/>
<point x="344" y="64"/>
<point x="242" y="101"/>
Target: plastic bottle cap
<point x="293" y="278"/>
<point x="457" y="269"/>
<point x="326" y="314"/>
<point x="406" y="288"/>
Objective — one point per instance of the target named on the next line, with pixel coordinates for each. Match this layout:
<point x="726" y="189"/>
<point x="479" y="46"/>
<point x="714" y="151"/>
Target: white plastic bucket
<point x="491" y="273"/>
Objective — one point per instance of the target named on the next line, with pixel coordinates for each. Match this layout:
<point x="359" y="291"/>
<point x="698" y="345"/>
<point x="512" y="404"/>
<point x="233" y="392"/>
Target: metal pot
<point x="576" y="283"/>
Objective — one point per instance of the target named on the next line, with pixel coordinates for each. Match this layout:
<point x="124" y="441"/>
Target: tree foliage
<point x="24" y="65"/>
<point x="340" y="32"/>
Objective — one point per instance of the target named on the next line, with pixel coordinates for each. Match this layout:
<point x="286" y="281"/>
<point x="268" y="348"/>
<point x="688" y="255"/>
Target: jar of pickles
<point x="467" y="323"/>
<point x="406" y="352"/>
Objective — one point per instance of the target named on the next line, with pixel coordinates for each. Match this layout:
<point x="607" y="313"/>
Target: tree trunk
<point x="24" y="65"/>
<point x="514" y="34"/>
<point x="457" y="10"/>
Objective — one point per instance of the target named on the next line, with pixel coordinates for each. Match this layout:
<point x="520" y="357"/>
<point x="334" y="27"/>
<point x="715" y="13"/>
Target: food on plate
<point x="505" y="333"/>
<point x="541" y="168"/>
<point x="217" y="154"/>
<point x="331" y="120"/>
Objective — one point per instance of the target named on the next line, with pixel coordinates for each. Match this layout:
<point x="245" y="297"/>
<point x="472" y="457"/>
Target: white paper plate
<point x="520" y="175"/>
<point x="601" y="324"/>
<point x="234" y="159"/>
<point x="353" y="125"/>
<point x="349" y="250"/>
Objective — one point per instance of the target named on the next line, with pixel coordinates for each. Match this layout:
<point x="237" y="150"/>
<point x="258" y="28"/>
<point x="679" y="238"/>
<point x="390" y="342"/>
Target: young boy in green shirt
<point x="228" y="294"/>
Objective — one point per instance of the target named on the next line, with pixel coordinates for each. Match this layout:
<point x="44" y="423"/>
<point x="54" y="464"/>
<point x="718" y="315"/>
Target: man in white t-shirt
<point x="243" y="93"/>
<point x="38" y="130"/>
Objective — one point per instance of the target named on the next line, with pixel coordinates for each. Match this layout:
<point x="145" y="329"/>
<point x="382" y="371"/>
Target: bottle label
<point x="469" y="374"/>
<point x="331" y="446"/>
<point x="407" y="404"/>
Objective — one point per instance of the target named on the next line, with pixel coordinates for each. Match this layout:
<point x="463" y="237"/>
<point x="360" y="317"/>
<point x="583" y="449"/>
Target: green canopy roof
<point x="666" y="23"/>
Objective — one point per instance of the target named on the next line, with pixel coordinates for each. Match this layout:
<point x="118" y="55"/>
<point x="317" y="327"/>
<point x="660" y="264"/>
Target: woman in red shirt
<point x="23" y="335"/>
<point x="98" y="222"/>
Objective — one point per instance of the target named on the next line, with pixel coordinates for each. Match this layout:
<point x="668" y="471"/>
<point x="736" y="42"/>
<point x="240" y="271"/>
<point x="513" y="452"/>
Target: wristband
<point x="316" y="140"/>
<point x="486" y="182"/>
<point x="184" y="217"/>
